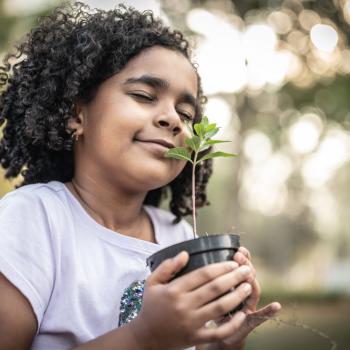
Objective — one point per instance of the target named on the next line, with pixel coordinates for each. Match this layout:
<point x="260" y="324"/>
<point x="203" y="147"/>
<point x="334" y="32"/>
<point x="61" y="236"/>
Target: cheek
<point x="178" y="167"/>
<point x="186" y="134"/>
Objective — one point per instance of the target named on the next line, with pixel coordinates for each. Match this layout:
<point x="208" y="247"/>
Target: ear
<point x="76" y="124"/>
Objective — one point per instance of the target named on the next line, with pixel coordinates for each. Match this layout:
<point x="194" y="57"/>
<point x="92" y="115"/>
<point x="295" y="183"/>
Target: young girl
<point x="90" y="103"/>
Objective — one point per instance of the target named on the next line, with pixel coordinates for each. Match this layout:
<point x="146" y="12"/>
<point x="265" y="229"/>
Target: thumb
<point x="168" y="268"/>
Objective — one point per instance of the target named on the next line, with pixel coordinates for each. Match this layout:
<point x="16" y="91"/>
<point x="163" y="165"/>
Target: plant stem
<point x="194" y="220"/>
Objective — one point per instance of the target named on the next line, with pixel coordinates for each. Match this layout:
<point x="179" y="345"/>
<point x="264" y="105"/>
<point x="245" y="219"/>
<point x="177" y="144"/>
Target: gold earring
<point x="75" y="135"/>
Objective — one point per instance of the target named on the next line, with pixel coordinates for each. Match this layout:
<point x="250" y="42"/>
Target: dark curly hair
<point x="63" y="60"/>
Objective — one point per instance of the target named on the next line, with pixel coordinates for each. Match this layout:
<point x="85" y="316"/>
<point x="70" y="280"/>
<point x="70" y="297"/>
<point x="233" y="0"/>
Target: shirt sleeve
<point x="26" y="254"/>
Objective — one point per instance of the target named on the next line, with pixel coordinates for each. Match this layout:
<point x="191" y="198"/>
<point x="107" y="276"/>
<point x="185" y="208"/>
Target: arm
<point x="18" y="323"/>
<point x="172" y="316"/>
<point x="125" y="337"/>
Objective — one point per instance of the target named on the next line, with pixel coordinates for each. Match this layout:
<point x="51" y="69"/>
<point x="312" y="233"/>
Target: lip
<point x="161" y="142"/>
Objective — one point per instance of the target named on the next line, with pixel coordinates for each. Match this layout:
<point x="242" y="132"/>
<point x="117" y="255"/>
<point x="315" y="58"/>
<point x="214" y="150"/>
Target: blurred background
<point x="277" y="77"/>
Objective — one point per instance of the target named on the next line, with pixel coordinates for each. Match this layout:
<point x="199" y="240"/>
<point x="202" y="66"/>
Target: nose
<point x="169" y="120"/>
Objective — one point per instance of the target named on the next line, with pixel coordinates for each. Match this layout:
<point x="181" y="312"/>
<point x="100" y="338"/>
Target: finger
<point x="213" y="335"/>
<point x="221" y="306"/>
<point x="269" y="310"/>
<point x="199" y="277"/>
<point x="168" y="268"/>
<point x="252" y="301"/>
<point x="218" y="286"/>
<point x="252" y="321"/>
<point x="245" y="252"/>
<point x="264" y="314"/>
<point x="241" y="259"/>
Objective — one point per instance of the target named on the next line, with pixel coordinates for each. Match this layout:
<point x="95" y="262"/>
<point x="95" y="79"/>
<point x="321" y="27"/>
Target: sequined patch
<point x="131" y="302"/>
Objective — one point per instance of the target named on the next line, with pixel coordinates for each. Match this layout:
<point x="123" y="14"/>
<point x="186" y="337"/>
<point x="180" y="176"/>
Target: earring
<point x="75" y="135"/>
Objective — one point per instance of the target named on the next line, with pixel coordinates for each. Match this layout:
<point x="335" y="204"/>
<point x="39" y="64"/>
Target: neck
<point x="111" y="207"/>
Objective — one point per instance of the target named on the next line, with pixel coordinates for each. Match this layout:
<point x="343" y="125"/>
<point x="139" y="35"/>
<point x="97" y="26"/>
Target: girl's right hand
<point x="174" y="314"/>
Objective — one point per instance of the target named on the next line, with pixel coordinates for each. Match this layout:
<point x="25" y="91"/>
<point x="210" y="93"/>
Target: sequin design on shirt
<point x="131" y="302"/>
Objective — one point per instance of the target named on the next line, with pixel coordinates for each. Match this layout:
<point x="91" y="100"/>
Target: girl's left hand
<point x="246" y="320"/>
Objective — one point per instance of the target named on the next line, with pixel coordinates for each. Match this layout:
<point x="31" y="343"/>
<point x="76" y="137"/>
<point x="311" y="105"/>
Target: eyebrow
<point x="162" y="84"/>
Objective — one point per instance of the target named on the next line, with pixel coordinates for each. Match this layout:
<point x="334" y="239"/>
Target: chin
<point x="155" y="182"/>
<point x="161" y="175"/>
<point x="158" y="184"/>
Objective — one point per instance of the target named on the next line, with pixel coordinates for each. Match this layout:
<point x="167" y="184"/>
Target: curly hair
<point x="63" y="60"/>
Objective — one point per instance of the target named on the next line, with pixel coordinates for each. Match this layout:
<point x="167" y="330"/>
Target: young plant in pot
<point x="215" y="248"/>
<point x="210" y="248"/>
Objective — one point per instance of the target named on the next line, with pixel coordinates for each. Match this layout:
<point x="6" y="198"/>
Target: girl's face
<point x="134" y="118"/>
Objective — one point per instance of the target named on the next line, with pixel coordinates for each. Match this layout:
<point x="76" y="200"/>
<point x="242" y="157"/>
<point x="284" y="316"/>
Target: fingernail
<point x="247" y="287"/>
<point x="245" y="270"/>
<point x="232" y="265"/>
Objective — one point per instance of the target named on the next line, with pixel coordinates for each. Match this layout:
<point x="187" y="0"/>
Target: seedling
<point x="199" y="142"/>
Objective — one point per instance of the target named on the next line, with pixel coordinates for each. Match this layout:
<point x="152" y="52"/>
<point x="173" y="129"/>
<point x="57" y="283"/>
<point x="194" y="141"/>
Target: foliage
<point x="199" y="146"/>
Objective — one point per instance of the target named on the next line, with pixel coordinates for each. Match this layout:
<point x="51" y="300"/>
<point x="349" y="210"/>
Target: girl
<point x="89" y="108"/>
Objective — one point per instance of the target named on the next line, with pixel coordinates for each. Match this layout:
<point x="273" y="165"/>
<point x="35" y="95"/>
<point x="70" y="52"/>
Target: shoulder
<point x="30" y="247"/>
<point x="32" y="201"/>
<point x="32" y="194"/>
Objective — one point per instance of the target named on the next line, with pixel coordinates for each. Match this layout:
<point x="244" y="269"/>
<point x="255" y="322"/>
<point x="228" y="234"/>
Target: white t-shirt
<point x="82" y="279"/>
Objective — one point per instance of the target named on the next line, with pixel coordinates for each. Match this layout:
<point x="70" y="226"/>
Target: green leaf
<point x="215" y="155"/>
<point x="211" y="133"/>
<point x="181" y="153"/>
<point x="205" y="121"/>
<point x="193" y="143"/>
<point x="208" y="143"/>
<point x="204" y="127"/>
<point x="200" y="130"/>
<point x="213" y="142"/>
<point x="203" y="147"/>
<point x="210" y="127"/>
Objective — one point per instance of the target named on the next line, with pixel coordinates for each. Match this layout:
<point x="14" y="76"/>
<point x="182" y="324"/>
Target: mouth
<point x="161" y="142"/>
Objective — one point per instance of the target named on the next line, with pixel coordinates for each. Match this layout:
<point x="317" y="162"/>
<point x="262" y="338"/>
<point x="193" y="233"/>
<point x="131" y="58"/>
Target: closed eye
<point x="143" y="97"/>
<point x="146" y="98"/>
<point x="185" y="116"/>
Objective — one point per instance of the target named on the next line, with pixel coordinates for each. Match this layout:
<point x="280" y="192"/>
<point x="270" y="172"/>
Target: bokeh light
<point x="221" y="44"/>
<point x="324" y="37"/>
<point x="220" y="113"/>
<point x="305" y="132"/>
<point x="332" y="153"/>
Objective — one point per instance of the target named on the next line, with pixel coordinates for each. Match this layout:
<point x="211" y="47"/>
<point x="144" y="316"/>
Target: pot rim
<point x="198" y="245"/>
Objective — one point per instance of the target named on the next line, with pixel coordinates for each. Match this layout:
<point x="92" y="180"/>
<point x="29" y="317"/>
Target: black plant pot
<point x="202" y="251"/>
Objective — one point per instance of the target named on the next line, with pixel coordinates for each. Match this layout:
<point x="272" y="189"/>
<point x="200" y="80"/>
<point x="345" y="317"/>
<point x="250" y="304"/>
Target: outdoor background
<point x="277" y="77"/>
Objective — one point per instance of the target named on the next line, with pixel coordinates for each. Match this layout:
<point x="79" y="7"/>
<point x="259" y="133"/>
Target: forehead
<point x="163" y="63"/>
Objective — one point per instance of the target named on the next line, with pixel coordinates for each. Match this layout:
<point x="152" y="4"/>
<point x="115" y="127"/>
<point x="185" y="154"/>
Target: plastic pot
<point x="202" y="251"/>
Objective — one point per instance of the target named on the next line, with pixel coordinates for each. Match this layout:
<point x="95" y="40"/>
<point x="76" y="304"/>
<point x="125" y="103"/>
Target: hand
<point x="174" y="314"/>
<point x="246" y="320"/>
